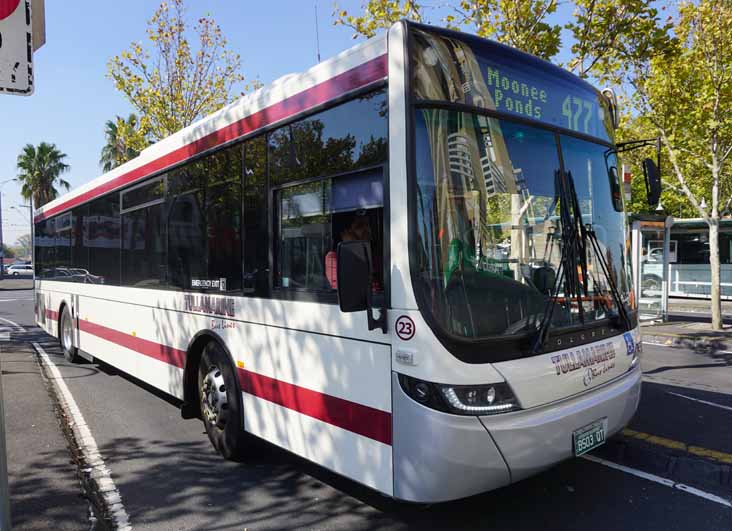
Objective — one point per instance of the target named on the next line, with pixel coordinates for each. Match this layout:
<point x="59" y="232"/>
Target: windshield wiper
<point x="575" y="235"/>
<point x="572" y="259"/>
<point x="587" y="232"/>
<point x="622" y="311"/>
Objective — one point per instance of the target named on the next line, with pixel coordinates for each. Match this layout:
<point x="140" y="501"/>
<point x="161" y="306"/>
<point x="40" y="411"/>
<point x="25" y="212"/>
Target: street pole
<point x="2" y="249"/>
<point x="4" y="491"/>
<point x="29" y="206"/>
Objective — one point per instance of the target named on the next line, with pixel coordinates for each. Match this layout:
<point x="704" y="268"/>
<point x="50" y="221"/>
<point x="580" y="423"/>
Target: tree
<point x="39" y="172"/>
<point x="610" y="34"/>
<point x="687" y="97"/>
<point x="378" y="14"/>
<point x="171" y="85"/>
<point x="8" y="252"/>
<point x="125" y="139"/>
<point x="518" y="23"/>
<point x="23" y="245"/>
<point x="605" y="32"/>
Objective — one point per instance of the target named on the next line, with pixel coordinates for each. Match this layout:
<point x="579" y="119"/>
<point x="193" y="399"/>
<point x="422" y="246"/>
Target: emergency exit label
<point x="16" y="47"/>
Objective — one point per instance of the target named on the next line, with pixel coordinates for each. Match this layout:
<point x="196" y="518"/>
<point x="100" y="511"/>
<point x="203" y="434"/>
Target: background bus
<point x="433" y="185"/>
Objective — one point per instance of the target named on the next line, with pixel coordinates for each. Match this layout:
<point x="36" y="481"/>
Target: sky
<point x="73" y="97"/>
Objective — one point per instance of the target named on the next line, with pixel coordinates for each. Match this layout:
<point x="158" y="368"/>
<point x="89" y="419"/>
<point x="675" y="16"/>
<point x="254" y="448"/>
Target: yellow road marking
<point x="678" y="445"/>
<point x="711" y="454"/>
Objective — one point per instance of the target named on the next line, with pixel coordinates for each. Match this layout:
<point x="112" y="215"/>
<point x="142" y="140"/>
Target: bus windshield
<point x="488" y="240"/>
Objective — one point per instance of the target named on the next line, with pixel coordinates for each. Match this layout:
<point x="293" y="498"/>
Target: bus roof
<point x="283" y="99"/>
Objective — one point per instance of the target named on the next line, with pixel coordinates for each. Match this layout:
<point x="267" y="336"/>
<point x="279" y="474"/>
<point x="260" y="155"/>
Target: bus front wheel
<point x="66" y="336"/>
<point x="220" y="400"/>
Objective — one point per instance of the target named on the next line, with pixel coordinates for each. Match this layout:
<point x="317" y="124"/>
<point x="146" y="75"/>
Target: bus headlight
<point x="480" y="399"/>
<point x="461" y="399"/>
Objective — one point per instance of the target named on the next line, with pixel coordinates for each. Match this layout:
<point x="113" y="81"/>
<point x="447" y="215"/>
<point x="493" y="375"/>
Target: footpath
<point x="45" y="492"/>
<point x="683" y="428"/>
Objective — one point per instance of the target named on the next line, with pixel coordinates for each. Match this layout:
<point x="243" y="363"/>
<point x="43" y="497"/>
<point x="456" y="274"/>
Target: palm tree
<point x="124" y="141"/>
<point x="39" y="171"/>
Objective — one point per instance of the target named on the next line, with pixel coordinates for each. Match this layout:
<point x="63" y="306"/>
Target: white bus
<point x="407" y="264"/>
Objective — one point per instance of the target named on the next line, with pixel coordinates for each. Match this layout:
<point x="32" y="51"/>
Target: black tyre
<point x="66" y="336"/>
<point x="220" y="400"/>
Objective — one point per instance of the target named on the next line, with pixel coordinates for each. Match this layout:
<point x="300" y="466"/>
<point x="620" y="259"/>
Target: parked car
<point x="19" y="270"/>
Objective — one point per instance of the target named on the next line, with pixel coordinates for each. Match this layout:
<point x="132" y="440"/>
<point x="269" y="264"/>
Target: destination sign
<point x="484" y="74"/>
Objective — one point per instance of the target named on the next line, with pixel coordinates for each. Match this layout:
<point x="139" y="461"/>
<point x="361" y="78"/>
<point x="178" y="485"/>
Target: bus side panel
<point x="325" y="398"/>
<point x="47" y="308"/>
<point x="145" y="342"/>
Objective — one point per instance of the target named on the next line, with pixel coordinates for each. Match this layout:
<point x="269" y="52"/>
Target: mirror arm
<point x="636" y="144"/>
<point x="380" y="321"/>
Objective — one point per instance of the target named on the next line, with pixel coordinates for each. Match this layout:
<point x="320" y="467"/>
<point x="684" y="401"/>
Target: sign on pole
<point x="16" y="47"/>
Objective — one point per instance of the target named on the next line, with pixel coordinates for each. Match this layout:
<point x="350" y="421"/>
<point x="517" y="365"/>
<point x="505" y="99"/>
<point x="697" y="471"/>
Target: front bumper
<point x="533" y="440"/>
<point x="440" y="457"/>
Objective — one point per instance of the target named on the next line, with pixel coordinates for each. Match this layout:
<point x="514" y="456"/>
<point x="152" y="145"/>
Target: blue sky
<point x="73" y="98"/>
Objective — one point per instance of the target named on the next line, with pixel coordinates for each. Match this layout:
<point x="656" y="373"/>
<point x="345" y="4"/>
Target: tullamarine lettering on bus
<point x="515" y="96"/>
<point x="601" y="358"/>
<point x="224" y="306"/>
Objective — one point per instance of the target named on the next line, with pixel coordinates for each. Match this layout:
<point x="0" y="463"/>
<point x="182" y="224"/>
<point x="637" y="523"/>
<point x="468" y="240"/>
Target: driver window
<point x="315" y="217"/>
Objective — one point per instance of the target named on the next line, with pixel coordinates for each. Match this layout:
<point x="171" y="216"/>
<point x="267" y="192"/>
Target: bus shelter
<point x="651" y="252"/>
<point x="670" y="258"/>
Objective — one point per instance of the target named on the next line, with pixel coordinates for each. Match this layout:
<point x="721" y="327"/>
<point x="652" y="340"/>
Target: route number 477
<point x="578" y="112"/>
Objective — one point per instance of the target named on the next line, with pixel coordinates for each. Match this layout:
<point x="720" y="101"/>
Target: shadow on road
<point x="690" y="415"/>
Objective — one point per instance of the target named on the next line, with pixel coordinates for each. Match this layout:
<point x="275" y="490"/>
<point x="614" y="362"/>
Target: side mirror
<point x="354" y="276"/>
<point x="652" y="177"/>
<point x="354" y="281"/>
<point x="615" y="188"/>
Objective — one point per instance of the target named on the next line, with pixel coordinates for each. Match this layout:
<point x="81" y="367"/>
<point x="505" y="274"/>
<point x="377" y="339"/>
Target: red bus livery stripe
<point x="357" y="418"/>
<point x="332" y="88"/>
<point x="164" y="353"/>
<point x="50" y="314"/>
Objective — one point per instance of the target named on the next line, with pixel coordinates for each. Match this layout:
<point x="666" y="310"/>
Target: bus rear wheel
<point x="220" y="401"/>
<point x="66" y="337"/>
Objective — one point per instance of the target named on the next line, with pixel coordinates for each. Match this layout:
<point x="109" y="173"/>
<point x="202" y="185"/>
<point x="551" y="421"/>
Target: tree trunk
<point x="714" y="266"/>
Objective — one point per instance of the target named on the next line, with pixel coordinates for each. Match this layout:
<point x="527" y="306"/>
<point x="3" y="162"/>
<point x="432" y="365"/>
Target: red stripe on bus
<point x="329" y="89"/>
<point x="50" y="314"/>
<point x="169" y="355"/>
<point x="357" y="418"/>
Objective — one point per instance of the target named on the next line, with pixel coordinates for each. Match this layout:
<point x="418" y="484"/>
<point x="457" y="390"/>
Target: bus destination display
<point x="484" y="74"/>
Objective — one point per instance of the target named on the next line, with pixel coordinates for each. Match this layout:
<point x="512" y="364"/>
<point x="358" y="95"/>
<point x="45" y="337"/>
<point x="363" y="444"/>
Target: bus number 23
<point x="405" y="328"/>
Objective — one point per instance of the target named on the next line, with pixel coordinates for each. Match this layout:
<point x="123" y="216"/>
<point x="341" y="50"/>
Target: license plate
<point x="589" y="437"/>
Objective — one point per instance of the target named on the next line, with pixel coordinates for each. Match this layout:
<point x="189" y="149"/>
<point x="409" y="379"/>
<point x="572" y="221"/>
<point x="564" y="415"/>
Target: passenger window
<point x="204" y="223"/>
<point x="256" y="226"/>
<point x="102" y="238"/>
<point x="143" y="236"/>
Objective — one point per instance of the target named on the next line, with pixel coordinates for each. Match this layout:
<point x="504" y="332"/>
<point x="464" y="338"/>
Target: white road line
<point x="660" y="480"/>
<point x="18" y="328"/>
<point x="700" y="401"/>
<point x="11" y="300"/>
<point x="88" y="446"/>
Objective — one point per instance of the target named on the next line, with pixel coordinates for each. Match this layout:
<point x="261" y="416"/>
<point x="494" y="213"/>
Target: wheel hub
<point x="213" y="396"/>
<point x="66" y="333"/>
